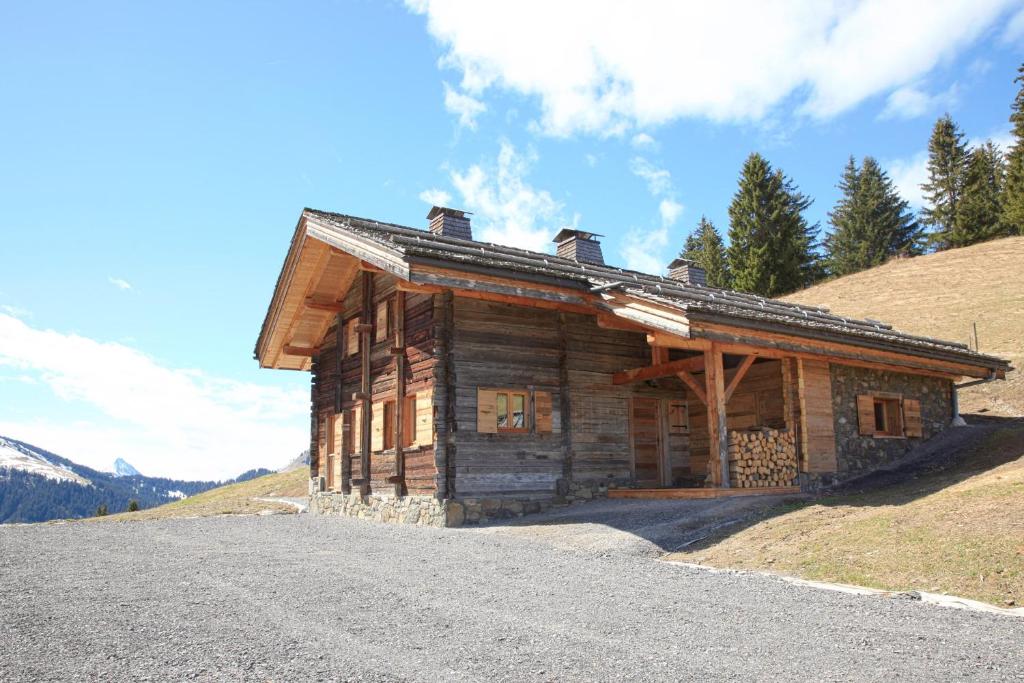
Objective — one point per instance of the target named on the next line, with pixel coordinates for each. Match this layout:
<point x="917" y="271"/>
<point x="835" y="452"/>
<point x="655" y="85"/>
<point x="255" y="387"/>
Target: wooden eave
<point x="318" y="271"/>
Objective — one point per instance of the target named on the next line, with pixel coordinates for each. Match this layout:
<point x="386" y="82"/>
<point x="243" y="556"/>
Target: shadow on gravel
<point x="656" y="526"/>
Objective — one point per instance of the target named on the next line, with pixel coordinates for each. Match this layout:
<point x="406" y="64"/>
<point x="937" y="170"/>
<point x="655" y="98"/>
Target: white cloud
<point x="1014" y="30"/>
<point x="466" y="106"/>
<point x="621" y="65"/>
<point x="507" y="209"/>
<point x="123" y="285"/>
<point x="642" y="249"/>
<point x="15" y="311"/>
<point x="166" y="421"/>
<point x="643" y="141"/>
<point x="909" y="102"/>
<point x="436" y="197"/>
<point x="670" y="211"/>
<point x="591" y="160"/>
<point x="908" y="175"/>
<point x="659" y="180"/>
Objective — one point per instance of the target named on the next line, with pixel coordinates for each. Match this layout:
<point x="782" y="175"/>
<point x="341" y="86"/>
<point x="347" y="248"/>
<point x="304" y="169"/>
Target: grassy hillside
<point x="958" y="530"/>
<point x="941" y="295"/>
<point x="233" y="499"/>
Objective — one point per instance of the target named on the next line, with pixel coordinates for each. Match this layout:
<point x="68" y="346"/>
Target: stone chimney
<point x="450" y="223"/>
<point x="688" y="272"/>
<point x="579" y="246"/>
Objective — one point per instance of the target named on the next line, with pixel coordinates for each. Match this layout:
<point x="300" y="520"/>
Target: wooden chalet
<point x="457" y="381"/>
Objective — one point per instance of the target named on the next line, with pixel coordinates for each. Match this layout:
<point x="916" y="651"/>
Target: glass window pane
<point x="518" y="411"/>
<point x="502" y="411"/>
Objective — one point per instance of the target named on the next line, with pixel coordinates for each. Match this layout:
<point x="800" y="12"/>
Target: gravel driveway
<point x="297" y="598"/>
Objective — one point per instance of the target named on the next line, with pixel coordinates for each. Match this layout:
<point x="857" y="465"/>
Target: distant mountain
<point x="302" y="460"/>
<point x="37" y="485"/>
<point x="123" y="469"/>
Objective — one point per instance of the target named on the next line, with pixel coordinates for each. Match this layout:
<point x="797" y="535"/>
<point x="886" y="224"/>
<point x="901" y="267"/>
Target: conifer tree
<point x="771" y="245"/>
<point x="947" y="163"/>
<point x="133" y="505"/>
<point x="704" y="247"/>
<point x="1013" y="200"/>
<point x="870" y="223"/>
<point x="981" y="208"/>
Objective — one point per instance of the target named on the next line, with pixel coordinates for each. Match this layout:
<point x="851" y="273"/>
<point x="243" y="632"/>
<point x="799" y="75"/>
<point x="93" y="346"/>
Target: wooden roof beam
<point x="738" y="377"/>
<point x="659" y="370"/>
<point x="306" y="351"/>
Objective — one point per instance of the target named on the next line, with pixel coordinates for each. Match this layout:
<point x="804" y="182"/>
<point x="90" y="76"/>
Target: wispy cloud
<point x="619" y="66"/>
<point x="173" y="421"/>
<point x="465" y="106"/>
<point x="15" y="311"/>
<point x="659" y="180"/>
<point x="911" y="102"/>
<point x="123" y="285"/>
<point x="908" y="175"/>
<point x="643" y="249"/>
<point x="436" y="197"/>
<point x="643" y="141"/>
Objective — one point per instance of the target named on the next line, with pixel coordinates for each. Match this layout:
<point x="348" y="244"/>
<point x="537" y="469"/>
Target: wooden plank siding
<point x="337" y="380"/>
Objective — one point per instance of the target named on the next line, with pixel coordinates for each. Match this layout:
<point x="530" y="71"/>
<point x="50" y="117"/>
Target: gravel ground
<point x="297" y="598"/>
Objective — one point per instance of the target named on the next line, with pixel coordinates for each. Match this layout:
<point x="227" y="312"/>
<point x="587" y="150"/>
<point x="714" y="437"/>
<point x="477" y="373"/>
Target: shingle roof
<point x="696" y="301"/>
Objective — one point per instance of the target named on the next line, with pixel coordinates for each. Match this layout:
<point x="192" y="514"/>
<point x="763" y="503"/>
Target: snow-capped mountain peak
<point x="16" y="456"/>
<point x="123" y="469"/>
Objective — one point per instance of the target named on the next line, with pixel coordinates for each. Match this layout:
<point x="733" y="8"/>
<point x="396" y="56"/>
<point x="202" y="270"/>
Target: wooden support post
<point x="399" y="313"/>
<point x="365" y="343"/>
<point x="718" y="441"/>
<point x="565" y="405"/>
<point x="659" y="355"/>
<point x="738" y="377"/>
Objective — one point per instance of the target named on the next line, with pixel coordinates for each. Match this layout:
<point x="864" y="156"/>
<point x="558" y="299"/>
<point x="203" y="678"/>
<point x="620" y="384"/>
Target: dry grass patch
<point x="233" y="499"/>
<point x="959" y="532"/>
<point x="942" y="295"/>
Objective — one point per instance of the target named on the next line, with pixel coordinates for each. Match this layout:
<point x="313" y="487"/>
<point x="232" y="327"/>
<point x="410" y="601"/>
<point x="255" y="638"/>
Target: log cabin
<point x="456" y="381"/>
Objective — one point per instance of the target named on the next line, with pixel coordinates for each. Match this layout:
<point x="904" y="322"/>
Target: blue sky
<point x="155" y="157"/>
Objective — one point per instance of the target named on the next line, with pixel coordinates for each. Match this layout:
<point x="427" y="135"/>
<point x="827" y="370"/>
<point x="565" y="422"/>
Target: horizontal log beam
<point x="306" y="351"/>
<point x="659" y="370"/>
<point x="331" y="306"/>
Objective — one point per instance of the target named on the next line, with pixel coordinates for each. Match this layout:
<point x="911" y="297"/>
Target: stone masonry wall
<point x="416" y="510"/>
<point x="858" y="454"/>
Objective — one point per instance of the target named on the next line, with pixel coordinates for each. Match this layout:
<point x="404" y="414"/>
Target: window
<point x="888" y="415"/>
<point x="385" y="326"/>
<point x="389" y="425"/>
<point x="352" y="337"/>
<point x="509" y="411"/>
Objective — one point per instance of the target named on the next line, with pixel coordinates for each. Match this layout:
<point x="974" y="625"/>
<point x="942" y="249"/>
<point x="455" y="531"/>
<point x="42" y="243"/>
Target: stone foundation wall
<point x="856" y="454"/>
<point x="417" y="510"/>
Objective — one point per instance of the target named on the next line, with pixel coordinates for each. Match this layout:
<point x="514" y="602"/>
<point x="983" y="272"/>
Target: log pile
<point x="762" y="458"/>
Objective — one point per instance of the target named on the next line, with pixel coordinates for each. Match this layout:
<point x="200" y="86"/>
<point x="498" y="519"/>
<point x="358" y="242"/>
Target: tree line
<point x="972" y="195"/>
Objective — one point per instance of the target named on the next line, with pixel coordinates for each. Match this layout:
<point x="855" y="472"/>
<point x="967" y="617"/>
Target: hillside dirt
<point x="949" y="522"/>
<point x="944" y="295"/>
<point x="244" y="498"/>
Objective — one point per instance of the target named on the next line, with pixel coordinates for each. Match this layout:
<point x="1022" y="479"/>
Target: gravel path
<point x="297" y="598"/>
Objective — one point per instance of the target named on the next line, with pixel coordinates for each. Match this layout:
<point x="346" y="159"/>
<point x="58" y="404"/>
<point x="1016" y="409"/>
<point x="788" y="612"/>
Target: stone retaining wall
<point x="417" y="510"/>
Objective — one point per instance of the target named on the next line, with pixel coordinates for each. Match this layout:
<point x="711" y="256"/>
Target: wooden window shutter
<point x="339" y="433"/>
<point x="322" y="449"/>
<point x="345" y="420"/>
<point x="542" y="411"/>
<point x="866" y="414"/>
<point x="377" y="427"/>
<point x="355" y="427"/>
<point x="336" y="481"/>
<point x="912" y="417"/>
<point x="381" y="332"/>
<point x="424" y="421"/>
<point x="486" y="411"/>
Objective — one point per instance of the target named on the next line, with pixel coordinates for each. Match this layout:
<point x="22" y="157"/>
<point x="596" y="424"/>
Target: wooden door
<point x="645" y="426"/>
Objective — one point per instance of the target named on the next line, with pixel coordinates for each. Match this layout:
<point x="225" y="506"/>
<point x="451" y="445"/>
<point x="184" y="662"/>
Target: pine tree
<point x="871" y="223"/>
<point x="704" y="247"/>
<point x="101" y="510"/>
<point x="1013" y="200"/>
<point x="133" y="505"/>
<point x="947" y="164"/>
<point x="771" y="245"/>
<point x="981" y="208"/>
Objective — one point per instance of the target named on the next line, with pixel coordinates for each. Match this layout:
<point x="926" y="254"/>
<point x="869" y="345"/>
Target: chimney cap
<point x="568" y="233"/>
<point x="438" y="210"/>
<point x="680" y="262"/>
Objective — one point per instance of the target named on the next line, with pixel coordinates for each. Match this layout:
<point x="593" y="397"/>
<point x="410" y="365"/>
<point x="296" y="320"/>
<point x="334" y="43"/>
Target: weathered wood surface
<point x="817" y="429"/>
<point x="699" y="494"/>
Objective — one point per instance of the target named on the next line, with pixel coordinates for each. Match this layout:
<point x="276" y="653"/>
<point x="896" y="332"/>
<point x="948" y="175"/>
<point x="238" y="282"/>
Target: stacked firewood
<point x="761" y="458"/>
